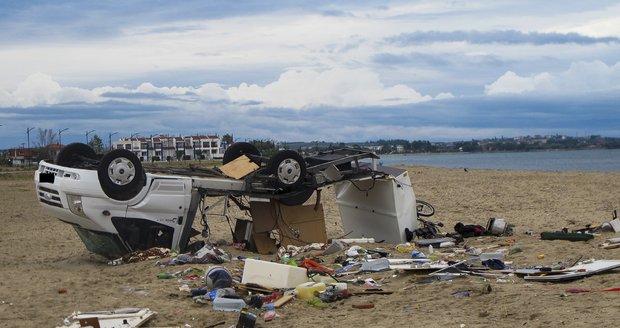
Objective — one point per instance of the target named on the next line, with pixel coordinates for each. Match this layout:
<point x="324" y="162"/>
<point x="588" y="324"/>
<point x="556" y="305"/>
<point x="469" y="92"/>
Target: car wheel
<point x="72" y="155"/>
<point x="121" y="175"/>
<point x="288" y="167"/>
<point x="237" y="149"/>
<point x="297" y="198"/>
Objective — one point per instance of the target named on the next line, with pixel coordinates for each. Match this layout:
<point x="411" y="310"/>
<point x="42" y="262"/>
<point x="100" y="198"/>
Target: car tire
<point x="237" y="149"/>
<point x="72" y="155"/>
<point x="288" y="167"/>
<point x="121" y="175"/>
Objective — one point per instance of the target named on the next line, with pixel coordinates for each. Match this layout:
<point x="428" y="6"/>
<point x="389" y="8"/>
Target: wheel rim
<point x="289" y="171"/>
<point x="121" y="171"/>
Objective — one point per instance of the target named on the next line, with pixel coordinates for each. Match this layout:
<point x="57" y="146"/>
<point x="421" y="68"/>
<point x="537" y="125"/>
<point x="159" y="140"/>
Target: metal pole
<point x="110" y="134"/>
<point x="60" y="135"/>
<point x="28" y="151"/>
<point x="87" y="133"/>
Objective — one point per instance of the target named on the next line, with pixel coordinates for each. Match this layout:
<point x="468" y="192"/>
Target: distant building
<point x="162" y="147"/>
<point x="24" y="156"/>
<point x="19" y="156"/>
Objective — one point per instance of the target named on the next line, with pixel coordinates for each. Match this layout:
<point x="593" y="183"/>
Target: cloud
<point x="294" y="89"/>
<point x="581" y="77"/>
<point x="510" y="82"/>
<point x="40" y="89"/>
<point x="336" y="87"/>
<point x="498" y="36"/>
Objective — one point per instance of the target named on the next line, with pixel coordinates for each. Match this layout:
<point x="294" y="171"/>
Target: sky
<point x="339" y="71"/>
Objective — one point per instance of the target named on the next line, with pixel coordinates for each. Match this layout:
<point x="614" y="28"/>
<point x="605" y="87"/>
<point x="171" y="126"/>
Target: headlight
<point x="75" y="205"/>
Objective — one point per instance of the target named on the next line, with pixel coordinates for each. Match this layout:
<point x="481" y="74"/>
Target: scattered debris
<point x="561" y="235"/>
<point x="580" y="290"/>
<point x="125" y="317"/>
<point x="207" y="254"/>
<point x="142" y="255"/>
<point x="499" y="227"/>
<point x="581" y="270"/>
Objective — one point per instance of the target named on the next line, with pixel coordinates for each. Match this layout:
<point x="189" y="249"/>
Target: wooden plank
<point x="282" y="300"/>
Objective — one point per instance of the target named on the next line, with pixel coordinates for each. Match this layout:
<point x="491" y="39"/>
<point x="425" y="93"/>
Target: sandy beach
<point x="47" y="273"/>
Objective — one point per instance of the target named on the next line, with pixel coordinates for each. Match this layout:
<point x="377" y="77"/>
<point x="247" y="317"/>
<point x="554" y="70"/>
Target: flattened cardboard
<point x="297" y="225"/>
<point x="239" y="167"/>
<point x="263" y="244"/>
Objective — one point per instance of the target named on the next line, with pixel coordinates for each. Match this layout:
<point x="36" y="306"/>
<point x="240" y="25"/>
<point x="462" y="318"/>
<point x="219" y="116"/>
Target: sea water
<point x="595" y="160"/>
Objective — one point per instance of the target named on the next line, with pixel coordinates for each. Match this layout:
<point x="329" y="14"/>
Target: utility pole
<point x="28" y="133"/>
<point x="60" y="135"/>
<point x="110" y="134"/>
<point x="87" y="133"/>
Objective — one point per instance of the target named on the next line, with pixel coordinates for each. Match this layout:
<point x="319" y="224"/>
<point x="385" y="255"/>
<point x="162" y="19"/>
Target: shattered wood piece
<point x="282" y="300"/>
<point x="373" y="291"/>
<point x="216" y="324"/>
<point x="610" y="246"/>
<point x="363" y="306"/>
<point x="253" y="287"/>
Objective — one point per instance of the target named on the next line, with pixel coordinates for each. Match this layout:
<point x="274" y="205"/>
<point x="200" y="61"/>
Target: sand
<point x="42" y="256"/>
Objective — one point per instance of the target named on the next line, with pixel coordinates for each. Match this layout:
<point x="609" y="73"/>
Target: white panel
<point x="381" y="210"/>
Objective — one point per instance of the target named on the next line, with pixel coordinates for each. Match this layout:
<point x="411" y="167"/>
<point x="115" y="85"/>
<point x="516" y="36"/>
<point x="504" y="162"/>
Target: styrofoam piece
<point x="491" y="256"/>
<point x="273" y="275"/>
<point x="615" y="224"/>
<point x="377" y="265"/>
<point x="379" y="208"/>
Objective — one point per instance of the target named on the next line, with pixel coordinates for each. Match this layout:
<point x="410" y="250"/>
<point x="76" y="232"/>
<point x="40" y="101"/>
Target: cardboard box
<point x="239" y="167"/>
<point x="295" y="225"/>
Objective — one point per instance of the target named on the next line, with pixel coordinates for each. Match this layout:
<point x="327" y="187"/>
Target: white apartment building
<point x="164" y="147"/>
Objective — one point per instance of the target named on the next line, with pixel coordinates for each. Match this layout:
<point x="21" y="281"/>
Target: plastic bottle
<point x="339" y="286"/>
<point x="307" y="290"/>
<point x="228" y="304"/>
<point x="165" y="275"/>
<point x="430" y="249"/>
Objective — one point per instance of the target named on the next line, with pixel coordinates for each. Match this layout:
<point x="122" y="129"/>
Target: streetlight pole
<point x="87" y="133"/>
<point x="110" y="138"/>
<point x="28" y="133"/>
<point x="60" y="135"/>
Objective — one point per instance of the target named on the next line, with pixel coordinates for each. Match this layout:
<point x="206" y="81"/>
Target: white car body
<point x="163" y="209"/>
